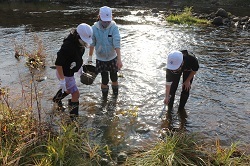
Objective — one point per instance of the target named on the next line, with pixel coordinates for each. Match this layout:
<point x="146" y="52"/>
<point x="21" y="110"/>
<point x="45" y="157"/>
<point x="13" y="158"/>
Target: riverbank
<point x="217" y="111"/>
<point x="27" y="141"/>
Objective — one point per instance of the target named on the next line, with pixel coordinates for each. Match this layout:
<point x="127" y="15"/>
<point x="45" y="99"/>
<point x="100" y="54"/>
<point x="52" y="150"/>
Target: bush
<point x="186" y="18"/>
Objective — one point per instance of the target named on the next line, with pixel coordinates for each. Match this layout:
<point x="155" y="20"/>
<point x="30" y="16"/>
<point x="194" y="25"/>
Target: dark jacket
<point x="70" y="56"/>
<point x="190" y="63"/>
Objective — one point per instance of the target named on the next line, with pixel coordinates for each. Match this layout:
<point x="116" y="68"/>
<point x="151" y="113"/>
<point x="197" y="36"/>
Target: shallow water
<point x="218" y="106"/>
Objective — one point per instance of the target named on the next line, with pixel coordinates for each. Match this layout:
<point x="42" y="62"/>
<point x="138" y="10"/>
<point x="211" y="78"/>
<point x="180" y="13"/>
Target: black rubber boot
<point x="73" y="110"/>
<point x="69" y="102"/>
<point x="182" y="113"/>
<point x="58" y="99"/>
<point x="181" y="110"/>
<point x="115" y="90"/>
<point x="183" y="100"/>
<point x="170" y="109"/>
<point x="171" y="103"/>
<point x="169" y="112"/>
<point x="105" y="92"/>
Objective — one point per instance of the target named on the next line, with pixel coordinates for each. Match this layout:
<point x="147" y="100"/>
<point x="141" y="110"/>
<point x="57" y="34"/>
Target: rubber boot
<point x="73" y="110"/>
<point x="69" y="102"/>
<point x="170" y="108"/>
<point x="171" y="103"/>
<point x="169" y="112"/>
<point x="58" y="99"/>
<point x="183" y="100"/>
<point x="182" y="113"/>
<point x="105" y="92"/>
<point x="115" y="90"/>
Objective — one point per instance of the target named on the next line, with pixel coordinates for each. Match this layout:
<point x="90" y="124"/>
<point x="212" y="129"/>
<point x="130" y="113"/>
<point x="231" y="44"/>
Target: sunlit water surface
<point x="218" y="106"/>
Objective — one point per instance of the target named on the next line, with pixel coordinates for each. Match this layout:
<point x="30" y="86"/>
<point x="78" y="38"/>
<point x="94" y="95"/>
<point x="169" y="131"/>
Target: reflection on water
<point x="219" y="102"/>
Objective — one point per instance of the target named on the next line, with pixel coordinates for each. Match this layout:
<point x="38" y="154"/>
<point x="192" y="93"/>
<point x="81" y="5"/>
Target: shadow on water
<point x="219" y="102"/>
<point x="48" y="16"/>
<point x="44" y="17"/>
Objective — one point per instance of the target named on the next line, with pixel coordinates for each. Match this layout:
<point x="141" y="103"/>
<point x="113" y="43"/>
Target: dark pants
<point x="105" y="77"/>
<point x="184" y="93"/>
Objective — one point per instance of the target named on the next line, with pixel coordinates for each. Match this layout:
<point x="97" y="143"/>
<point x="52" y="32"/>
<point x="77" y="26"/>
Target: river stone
<point x="218" y="21"/>
<point x="155" y="15"/>
<point x="244" y="19"/>
<point x="235" y="19"/>
<point x="142" y="130"/>
<point x="221" y="12"/>
<point x="111" y="163"/>
<point x="121" y="157"/>
<point x="226" y="21"/>
<point x="155" y="10"/>
<point x="104" y="162"/>
<point x="139" y="14"/>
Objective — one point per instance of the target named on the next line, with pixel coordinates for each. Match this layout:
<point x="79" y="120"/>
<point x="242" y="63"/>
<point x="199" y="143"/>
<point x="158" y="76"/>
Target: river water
<point x="218" y="107"/>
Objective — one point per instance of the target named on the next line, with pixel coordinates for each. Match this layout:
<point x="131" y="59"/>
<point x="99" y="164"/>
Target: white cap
<point x="105" y="13"/>
<point x="85" y="32"/>
<point x="174" y="60"/>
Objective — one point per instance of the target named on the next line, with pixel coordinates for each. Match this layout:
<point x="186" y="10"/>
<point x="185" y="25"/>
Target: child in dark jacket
<point x="179" y="63"/>
<point x="69" y="60"/>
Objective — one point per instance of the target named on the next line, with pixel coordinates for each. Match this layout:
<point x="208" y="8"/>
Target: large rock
<point x="218" y="21"/>
<point x="221" y="12"/>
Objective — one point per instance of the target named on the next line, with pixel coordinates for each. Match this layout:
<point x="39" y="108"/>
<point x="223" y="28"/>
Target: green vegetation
<point x="186" y="17"/>
<point x="27" y="141"/>
<point x="185" y="149"/>
<point x="175" y="149"/>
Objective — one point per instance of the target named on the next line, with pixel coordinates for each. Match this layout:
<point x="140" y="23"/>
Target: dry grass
<point x="35" y="59"/>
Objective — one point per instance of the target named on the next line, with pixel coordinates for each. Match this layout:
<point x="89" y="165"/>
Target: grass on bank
<point x="26" y="141"/>
<point x="180" y="148"/>
<point x="186" y="17"/>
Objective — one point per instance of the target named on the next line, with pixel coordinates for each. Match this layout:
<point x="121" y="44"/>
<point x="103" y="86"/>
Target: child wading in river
<point x="69" y="60"/>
